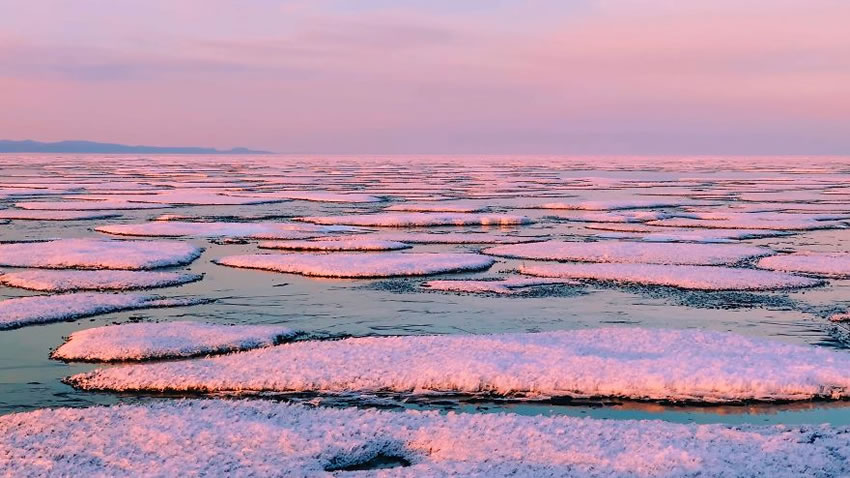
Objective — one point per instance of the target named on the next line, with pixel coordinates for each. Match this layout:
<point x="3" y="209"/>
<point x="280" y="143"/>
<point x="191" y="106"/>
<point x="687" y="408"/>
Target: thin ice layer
<point x="34" y="215"/>
<point x="502" y="286"/>
<point x="42" y="309"/>
<point x="419" y="219"/>
<point x="644" y="364"/>
<point x="98" y="254"/>
<point x="630" y="252"/>
<point x="144" y="341"/>
<point x="680" y="276"/>
<point x="835" y="264"/>
<point x="268" y="438"/>
<point x="72" y="280"/>
<point x="353" y="265"/>
<point x="341" y="244"/>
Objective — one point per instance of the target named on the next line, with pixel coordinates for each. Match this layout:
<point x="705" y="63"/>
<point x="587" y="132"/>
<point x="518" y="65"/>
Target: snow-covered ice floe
<point x="341" y="244"/>
<point x="42" y="309"/>
<point x="316" y="196"/>
<point x="438" y="206"/>
<point x="630" y="363"/>
<point x="679" y="276"/>
<point x="253" y="230"/>
<point x="835" y="264"/>
<point x="71" y="280"/>
<point x="500" y="286"/>
<point x="145" y="341"/>
<point x="86" y="205"/>
<point x="770" y="221"/>
<point x="353" y="265"/>
<point x="712" y="236"/>
<point x="267" y="438"/>
<point x="33" y="215"/>
<point x="468" y="237"/>
<point x="98" y="254"/>
<point x="630" y="252"/>
<point x="419" y="219"/>
<point x="611" y="205"/>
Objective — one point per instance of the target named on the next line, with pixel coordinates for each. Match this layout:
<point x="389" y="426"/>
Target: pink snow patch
<point x="145" y="341"/>
<point x="680" y="276"/>
<point x="253" y="230"/>
<point x="502" y="286"/>
<point x="97" y="254"/>
<point x="420" y="219"/>
<point x="772" y="221"/>
<point x="267" y="438"/>
<point x="28" y="215"/>
<point x="71" y="280"/>
<point x="839" y="318"/>
<point x="630" y="252"/>
<point x="352" y="265"/>
<point x="632" y="363"/>
<point x="820" y="264"/>
<point x="328" y="245"/>
<point x="42" y="309"/>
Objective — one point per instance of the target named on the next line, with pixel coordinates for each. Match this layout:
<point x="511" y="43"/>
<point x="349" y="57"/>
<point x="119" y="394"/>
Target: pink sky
<point x="475" y="76"/>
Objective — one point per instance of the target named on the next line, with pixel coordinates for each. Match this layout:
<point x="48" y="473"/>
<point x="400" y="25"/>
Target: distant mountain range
<point x="28" y="146"/>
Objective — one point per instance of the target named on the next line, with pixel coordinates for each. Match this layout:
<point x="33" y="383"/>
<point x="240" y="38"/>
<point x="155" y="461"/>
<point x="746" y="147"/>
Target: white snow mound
<point x="267" y="438"/>
<point x="98" y="254"/>
<point x="633" y="363"/>
<point x="680" y="276"/>
<point x="630" y="252"/>
<point x="144" y="341"/>
<point x="353" y="265"/>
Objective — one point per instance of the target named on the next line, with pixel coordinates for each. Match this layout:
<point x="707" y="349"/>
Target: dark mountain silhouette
<point x="29" y="146"/>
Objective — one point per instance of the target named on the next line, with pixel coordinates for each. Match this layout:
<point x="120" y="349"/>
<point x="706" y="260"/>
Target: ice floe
<point x="499" y="286"/>
<point x="97" y="254"/>
<point x="42" y="309"/>
<point x="633" y="363"/>
<point x="317" y="196"/>
<point x="619" y="204"/>
<point x="31" y="215"/>
<point x="341" y="244"/>
<point x="630" y="252"/>
<point x="145" y="341"/>
<point x="72" y="280"/>
<point x="267" y="438"/>
<point x="253" y="230"/>
<point x="679" y="276"/>
<point x="419" y="219"/>
<point x="468" y="237"/>
<point x="815" y="263"/>
<point x="353" y="265"/>
<point x="730" y="220"/>
<point x="438" y="206"/>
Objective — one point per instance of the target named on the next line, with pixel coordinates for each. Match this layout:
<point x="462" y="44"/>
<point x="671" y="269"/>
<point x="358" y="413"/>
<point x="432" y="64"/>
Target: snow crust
<point x="266" y="438"/>
<point x="354" y="265"/>
<point x="420" y="219"/>
<point x="342" y="244"/>
<point x="446" y="237"/>
<point x="608" y="205"/>
<point x="98" y="254"/>
<point x="634" y="363"/>
<point x="106" y="205"/>
<point x="42" y="309"/>
<point x="438" y="206"/>
<point x="630" y="252"/>
<point x="820" y="264"/>
<point x="211" y="438"/>
<point x="680" y="276"/>
<point x="144" y="341"/>
<point x="72" y="280"/>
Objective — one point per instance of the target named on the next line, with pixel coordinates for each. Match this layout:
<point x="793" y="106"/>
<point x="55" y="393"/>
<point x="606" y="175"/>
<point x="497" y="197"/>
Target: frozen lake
<point x="664" y="206"/>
